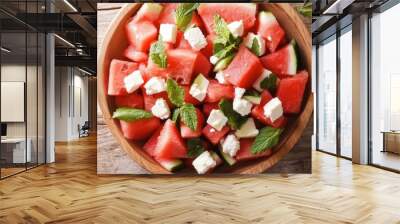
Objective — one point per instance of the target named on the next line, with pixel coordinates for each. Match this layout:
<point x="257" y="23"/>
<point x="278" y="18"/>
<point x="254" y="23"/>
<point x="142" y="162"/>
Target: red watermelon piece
<point x="282" y="62"/>
<point x="291" y="91"/>
<point x="150" y="145"/>
<point x="137" y="56"/>
<point x="189" y="98"/>
<point x="258" y="112"/>
<point x="186" y="132"/>
<point x="170" y="144"/>
<point x="244" y="69"/>
<point x="149" y="12"/>
<point x="139" y="129"/>
<point x="168" y="16"/>
<point x="118" y="71"/>
<point x="230" y="12"/>
<point x="181" y="42"/>
<point x="150" y="100"/>
<point x="208" y="51"/>
<point x="216" y="91"/>
<point x="208" y="107"/>
<point x="183" y="65"/>
<point x="213" y="135"/>
<point x="270" y="30"/>
<point x="134" y="100"/>
<point x="245" y="153"/>
<point x="141" y="34"/>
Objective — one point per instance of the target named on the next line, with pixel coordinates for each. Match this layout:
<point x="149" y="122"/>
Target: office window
<point x="327" y="96"/>
<point x="346" y="92"/>
<point x="385" y="89"/>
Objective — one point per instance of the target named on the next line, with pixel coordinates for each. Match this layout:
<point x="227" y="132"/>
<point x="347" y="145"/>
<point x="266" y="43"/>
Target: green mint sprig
<point x="266" y="139"/>
<point x="131" y="114"/>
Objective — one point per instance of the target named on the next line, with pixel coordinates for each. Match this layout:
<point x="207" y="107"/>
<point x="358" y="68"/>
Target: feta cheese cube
<point x="236" y="28"/>
<point x="248" y="41"/>
<point x="214" y="59"/>
<point x="230" y="145"/>
<point x="168" y="32"/>
<point x="220" y="77"/>
<point x="161" y="109"/>
<point x="204" y="162"/>
<point x="133" y="81"/>
<point x="242" y="106"/>
<point x="239" y="92"/>
<point x="199" y="87"/>
<point x="195" y="38"/>
<point x="217" y="119"/>
<point x="273" y="109"/>
<point x="155" y="85"/>
<point x="248" y="129"/>
<point x="257" y="84"/>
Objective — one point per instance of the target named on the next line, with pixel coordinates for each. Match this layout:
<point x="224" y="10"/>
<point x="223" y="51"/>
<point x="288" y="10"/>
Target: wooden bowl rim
<point x="138" y="155"/>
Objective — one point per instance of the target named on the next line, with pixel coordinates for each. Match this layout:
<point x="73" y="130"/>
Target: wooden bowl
<point x="114" y="44"/>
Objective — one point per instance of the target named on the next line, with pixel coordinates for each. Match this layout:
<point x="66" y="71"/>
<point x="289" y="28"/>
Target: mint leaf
<point x="184" y="13"/>
<point x="251" y="92"/>
<point x="175" y="115"/>
<point x="158" y="55"/>
<point x="189" y="116"/>
<point x="131" y="114"/>
<point x="235" y="120"/>
<point x="226" y="51"/>
<point x="221" y="30"/>
<point x="195" y="147"/>
<point x="176" y="94"/>
<point x="266" y="139"/>
<point x="255" y="47"/>
<point x="269" y="83"/>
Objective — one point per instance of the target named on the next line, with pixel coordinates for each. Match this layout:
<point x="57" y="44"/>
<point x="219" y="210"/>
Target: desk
<point x="391" y="141"/>
<point x="15" y="148"/>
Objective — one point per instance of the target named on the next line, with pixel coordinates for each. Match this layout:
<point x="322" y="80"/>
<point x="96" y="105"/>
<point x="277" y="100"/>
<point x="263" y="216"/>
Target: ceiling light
<point x="70" y="5"/>
<point x="84" y="71"/>
<point x="5" y="50"/>
<point x="64" y="40"/>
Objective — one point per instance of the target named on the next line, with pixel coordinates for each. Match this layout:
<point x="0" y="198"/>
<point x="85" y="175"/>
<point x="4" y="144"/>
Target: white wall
<point x="69" y="82"/>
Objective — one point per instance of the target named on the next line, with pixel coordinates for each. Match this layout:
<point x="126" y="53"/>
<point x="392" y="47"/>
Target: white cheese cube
<point x="161" y="109"/>
<point x="239" y="92"/>
<point x="248" y="129"/>
<point x="133" y="81"/>
<point x="248" y="41"/>
<point x="220" y="77"/>
<point x="155" y="85"/>
<point x="195" y="38"/>
<point x="214" y="59"/>
<point x="204" y="162"/>
<point x="230" y="145"/>
<point x="168" y="32"/>
<point x="242" y="106"/>
<point x="273" y="109"/>
<point x="236" y="28"/>
<point x="217" y="119"/>
<point x="257" y="84"/>
<point x="199" y="87"/>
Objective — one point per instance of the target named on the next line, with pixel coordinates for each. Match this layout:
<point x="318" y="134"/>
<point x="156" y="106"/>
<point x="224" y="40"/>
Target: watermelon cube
<point x="230" y="12"/>
<point x="139" y="129"/>
<point x="132" y="54"/>
<point x="270" y="30"/>
<point x="150" y="100"/>
<point x="150" y="145"/>
<point x="189" y="98"/>
<point x="118" y="71"/>
<point x="244" y="69"/>
<point x="213" y="135"/>
<point x="217" y="91"/>
<point x="258" y="112"/>
<point x="208" y="51"/>
<point x="134" y="100"/>
<point x="168" y="16"/>
<point x="186" y="132"/>
<point x="170" y="144"/>
<point x="245" y="153"/>
<point x="208" y="107"/>
<point x="149" y="12"/>
<point x="291" y="91"/>
<point x="141" y="34"/>
<point x="181" y="42"/>
<point x="282" y="62"/>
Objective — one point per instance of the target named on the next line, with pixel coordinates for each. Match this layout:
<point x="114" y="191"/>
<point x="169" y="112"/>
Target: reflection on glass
<point x="385" y="84"/>
<point x="346" y="94"/>
<point x="327" y="96"/>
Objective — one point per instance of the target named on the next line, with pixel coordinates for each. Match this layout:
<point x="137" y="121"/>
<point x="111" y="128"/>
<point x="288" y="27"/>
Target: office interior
<point x="48" y="79"/>
<point x="357" y="81"/>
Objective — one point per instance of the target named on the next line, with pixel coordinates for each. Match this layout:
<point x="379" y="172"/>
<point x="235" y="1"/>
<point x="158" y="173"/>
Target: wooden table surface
<point x="112" y="159"/>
